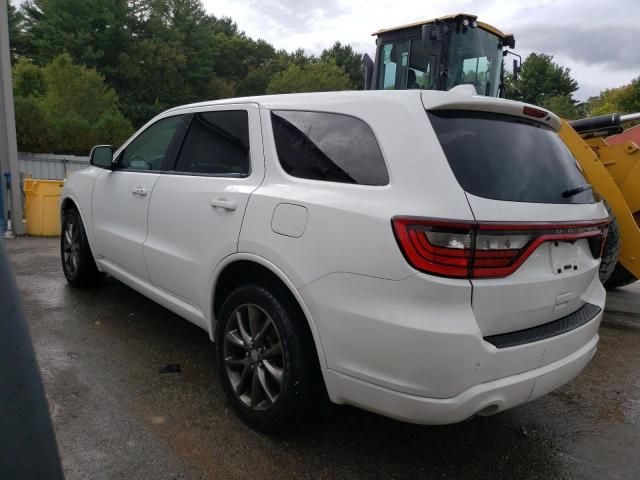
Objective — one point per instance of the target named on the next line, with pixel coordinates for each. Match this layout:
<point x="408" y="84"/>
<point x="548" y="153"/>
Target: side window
<point x="329" y="147"/>
<point x="149" y="148"/>
<point x="216" y="143"/>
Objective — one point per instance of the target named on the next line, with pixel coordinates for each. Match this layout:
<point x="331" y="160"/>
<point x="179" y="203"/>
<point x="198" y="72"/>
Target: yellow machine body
<point x="614" y="172"/>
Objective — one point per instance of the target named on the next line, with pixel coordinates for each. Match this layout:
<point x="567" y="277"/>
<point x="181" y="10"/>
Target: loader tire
<point x="611" y="250"/>
<point x="619" y="278"/>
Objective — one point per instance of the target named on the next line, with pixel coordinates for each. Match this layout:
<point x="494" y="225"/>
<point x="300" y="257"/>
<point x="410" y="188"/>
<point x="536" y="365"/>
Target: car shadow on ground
<point x="104" y="353"/>
<point x="187" y="409"/>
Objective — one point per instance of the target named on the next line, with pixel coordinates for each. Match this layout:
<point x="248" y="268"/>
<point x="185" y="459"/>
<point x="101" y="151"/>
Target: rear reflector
<point x="484" y="250"/>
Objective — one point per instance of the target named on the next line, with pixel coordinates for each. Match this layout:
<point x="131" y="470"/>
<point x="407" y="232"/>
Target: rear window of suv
<point x="329" y="147"/>
<point x="507" y="158"/>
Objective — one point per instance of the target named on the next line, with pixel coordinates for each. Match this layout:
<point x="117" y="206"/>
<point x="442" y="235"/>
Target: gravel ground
<point x="117" y="417"/>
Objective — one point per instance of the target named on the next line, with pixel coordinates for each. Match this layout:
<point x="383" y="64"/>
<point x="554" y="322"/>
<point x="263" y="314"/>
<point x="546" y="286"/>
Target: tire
<point x="611" y="250"/>
<point x="619" y="278"/>
<point x="78" y="264"/>
<point x="250" y="361"/>
<point x="612" y="274"/>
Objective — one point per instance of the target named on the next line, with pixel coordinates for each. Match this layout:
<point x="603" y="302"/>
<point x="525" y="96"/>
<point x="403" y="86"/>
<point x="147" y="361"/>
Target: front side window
<point x="328" y="147"/>
<point x="148" y="150"/>
<point x="217" y="143"/>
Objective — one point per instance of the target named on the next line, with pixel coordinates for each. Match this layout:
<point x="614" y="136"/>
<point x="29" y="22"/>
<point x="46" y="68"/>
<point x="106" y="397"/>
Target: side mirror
<point x="367" y="68"/>
<point x="509" y="41"/>
<point x="102" y="156"/>
<point x="429" y="35"/>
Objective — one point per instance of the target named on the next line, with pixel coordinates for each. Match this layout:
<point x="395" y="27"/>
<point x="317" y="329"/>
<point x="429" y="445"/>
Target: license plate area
<point x="565" y="257"/>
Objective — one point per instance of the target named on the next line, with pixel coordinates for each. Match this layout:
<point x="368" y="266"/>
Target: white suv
<point x="429" y="256"/>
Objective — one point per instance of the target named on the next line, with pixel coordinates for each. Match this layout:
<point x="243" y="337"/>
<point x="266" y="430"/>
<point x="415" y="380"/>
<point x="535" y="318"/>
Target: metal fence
<point x="47" y="166"/>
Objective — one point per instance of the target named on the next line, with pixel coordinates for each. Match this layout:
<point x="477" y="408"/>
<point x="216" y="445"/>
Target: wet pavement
<point x="116" y="416"/>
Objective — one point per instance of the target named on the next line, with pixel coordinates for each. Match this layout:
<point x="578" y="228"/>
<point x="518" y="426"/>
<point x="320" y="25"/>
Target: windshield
<point x="475" y="58"/>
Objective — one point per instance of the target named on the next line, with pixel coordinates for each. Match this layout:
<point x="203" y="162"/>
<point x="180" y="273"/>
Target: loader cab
<point x="440" y="54"/>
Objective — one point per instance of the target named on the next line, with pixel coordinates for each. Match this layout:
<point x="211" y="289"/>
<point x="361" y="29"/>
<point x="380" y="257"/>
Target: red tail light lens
<point x="483" y="250"/>
<point x="441" y="248"/>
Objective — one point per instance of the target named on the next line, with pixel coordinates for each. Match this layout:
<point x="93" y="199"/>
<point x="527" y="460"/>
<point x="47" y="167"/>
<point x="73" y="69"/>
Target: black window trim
<point x="171" y="168"/>
<point x="304" y="180"/>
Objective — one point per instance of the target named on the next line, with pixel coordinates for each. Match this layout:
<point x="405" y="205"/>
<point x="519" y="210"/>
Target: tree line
<point x="104" y="67"/>
<point x="543" y="82"/>
<point x="92" y="71"/>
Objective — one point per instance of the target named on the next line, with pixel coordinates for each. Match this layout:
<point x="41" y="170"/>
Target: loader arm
<point x="602" y="167"/>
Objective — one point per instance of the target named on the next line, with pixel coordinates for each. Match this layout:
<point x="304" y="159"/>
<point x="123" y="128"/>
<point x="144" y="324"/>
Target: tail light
<point x="484" y="250"/>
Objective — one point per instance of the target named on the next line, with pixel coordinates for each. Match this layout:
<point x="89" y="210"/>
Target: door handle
<point x="223" y="204"/>
<point x="139" y="191"/>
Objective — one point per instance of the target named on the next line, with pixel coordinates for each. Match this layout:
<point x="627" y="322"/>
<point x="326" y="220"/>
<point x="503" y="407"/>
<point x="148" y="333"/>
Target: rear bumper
<point x="483" y="399"/>
<point x="412" y="349"/>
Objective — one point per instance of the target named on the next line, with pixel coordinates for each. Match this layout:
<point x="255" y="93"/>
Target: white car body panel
<point x="177" y="261"/>
<point x="389" y="339"/>
<point x="120" y="217"/>
<point x="78" y="188"/>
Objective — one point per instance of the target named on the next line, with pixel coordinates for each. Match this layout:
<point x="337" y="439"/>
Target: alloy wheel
<point x="71" y="248"/>
<point x="254" y="357"/>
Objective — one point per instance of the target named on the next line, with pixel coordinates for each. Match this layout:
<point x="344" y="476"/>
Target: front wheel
<point x="78" y="264"/>
<point x="265" y="358"/>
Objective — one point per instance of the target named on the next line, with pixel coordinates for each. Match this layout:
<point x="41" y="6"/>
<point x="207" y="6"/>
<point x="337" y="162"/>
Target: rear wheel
<point x="77" y="260"/>
<point x="265" y="362"/>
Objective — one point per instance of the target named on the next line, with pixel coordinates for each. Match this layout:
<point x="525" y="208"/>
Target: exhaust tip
<point x="489" y="410"/>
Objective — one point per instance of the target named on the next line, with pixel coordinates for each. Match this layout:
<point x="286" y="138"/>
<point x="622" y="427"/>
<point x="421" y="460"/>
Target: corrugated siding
<point x="48" y="166"/>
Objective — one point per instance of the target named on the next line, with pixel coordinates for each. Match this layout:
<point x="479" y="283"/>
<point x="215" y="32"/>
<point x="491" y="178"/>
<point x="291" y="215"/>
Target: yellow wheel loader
<point x="445" y="52"/>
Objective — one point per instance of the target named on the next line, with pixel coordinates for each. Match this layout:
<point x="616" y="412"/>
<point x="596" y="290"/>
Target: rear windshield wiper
<point x="574" y="191"/>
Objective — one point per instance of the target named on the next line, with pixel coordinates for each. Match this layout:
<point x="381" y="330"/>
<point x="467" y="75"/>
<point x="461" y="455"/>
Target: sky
<point x="597" y="39"/>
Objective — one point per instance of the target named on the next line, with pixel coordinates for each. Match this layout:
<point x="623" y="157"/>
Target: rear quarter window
<point x="507" y="158"/>
<point x="328" y="147"/>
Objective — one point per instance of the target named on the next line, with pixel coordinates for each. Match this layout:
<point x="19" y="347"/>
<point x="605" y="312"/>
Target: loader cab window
<point x="422" y="61"/>
<point x="395" y="61"/>
<point x="475" y="58"/>
<point x="407" y="64"/>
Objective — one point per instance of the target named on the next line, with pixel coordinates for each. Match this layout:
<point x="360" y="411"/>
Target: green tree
<point x="34" y="131"/>
<point x="73" y="134"/>
<point x="111" y="129"/>
<point x="540" y="80"/>
<point x="260" y="74"/>
<point x="624" y="99"/>
<point x="93" y="32"/>
<point x="65" y="108"/>
<point x="156" y="54"/>
<point x="314" y="77"/>
<point x="15" y="31"/>
<point x="562" y="106"/>
<point x="346" y="58"/>
<point x="28" y="79"/>
<point x="159" y="67"/>
<point x="72" y="87"/>
<point x="299" y="58"/>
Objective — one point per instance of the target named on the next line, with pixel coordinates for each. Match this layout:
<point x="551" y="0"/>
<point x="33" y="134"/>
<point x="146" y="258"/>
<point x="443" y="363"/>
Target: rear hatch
<point x="539" y="230"/>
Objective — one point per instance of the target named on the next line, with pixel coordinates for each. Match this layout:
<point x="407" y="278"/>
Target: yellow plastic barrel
<point x="42" y="206"/>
